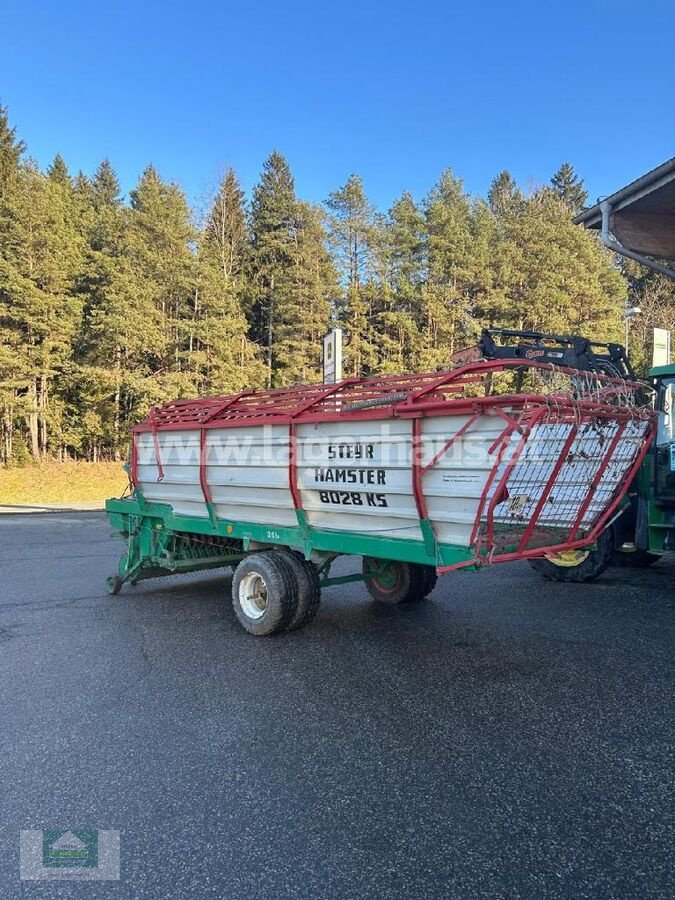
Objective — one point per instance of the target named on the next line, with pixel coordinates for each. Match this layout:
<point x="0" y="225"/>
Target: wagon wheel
<point x="307" y="590"/>
<point x="114" y="584"/>
<point x="392" y="582"/>
<point x="264" y="593"/>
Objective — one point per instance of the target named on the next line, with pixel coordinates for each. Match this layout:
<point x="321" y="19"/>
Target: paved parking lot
<point x="509" y="738"/>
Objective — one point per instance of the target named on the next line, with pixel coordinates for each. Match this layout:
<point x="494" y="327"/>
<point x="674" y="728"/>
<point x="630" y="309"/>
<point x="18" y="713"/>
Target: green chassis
<point x="159" y="543"/>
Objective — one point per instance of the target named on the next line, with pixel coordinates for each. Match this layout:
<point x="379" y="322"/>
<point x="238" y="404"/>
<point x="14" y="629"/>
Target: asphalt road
<point x="508" y="738"/>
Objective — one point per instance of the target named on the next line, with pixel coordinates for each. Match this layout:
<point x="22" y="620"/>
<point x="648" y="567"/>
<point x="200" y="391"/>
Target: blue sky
<point x="395" y="91"/>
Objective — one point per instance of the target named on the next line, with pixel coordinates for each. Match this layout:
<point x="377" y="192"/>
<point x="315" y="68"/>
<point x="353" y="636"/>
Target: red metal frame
<point x="602" y="468"/>
<point x="155" y="443"/>
<point x="501" y="492"/>
<point x="425" y="392"/>
<point x="133" y="462"/>
<point x="293" y="466"/>
<point x="203" y="475"/>
<point x="548" y="487"/>
<point x="553" y="549"/>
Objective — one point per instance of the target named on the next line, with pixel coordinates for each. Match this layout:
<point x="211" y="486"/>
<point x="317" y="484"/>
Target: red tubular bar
<point x="606" y="459"/>
<point x="497" y="496"/>
<point x="228" y="403"/>
<point x="293" y="466"/>
<point x="548" y="487"/>
<point x="155" y="442"/>
<point x="448" y="444"/>
<point x="316" y="402"/>
<point x="417" y="471"/>
<point x="502" y="441"/>
<point x="590" y="538"/>
<point x="203" y="474"/>
<point x="133" y="460"/>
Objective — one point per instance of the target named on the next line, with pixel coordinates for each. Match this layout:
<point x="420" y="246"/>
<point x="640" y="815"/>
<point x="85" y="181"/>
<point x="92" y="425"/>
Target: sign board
<point x="332" y="356"/>
<point x="661" y="352"/>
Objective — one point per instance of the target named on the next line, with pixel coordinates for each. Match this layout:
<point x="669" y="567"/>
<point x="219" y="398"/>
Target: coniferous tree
<point x="123" y="337"/>
<point x="450" y="322"/>
<point x="222" y="356"/>
<point x="289" y="274"/>
<point x="352" y="236"/>
<point x="40" y="311"/>
<point x="400" y="322"/>
<point x="58" y="171"/>
<point x="504" y="196"/>
<point x="105" y="186"/>
<point x="315" y="291"/>
<point x="161" y="235"/>
<point x="11" y="151"/>
<point x="271" y="260"/>
<point x="226" y="231"/>
<point x="567" y="185"/>
<point x="553" y="276"/>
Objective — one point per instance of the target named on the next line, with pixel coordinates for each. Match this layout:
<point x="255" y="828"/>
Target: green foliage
<point x="291" y="279"/>
<point x="567" y="185"/>
<point x="11" y="151"/>
<point x="654" y="294"/>
<point x="353" y="235"/>
<point x="109" y="307"/>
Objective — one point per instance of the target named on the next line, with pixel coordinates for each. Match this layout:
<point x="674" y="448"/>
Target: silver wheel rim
<point x="253" y="595"/>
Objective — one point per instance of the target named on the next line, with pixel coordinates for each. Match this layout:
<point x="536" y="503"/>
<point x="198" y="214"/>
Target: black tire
<point x="308" y="590"/>
<point x="429" y="579"/>
<point x="592" y="563"/>
<point x="114" y="584"/>
<point x="634" y="559"/>
<point x="397" y="582"/>
<point x="264" y="593"/>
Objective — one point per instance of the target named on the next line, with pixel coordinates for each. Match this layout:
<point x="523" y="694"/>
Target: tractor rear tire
<point x="264" y="593"/>
<point x="577" y="565"/>
<point x="634" y="559"/>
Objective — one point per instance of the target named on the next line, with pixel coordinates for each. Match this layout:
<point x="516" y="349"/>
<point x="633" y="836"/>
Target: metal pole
<point x="627" y="318"/>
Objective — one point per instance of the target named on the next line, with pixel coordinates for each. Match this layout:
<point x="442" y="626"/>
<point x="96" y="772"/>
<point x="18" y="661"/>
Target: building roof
<point x="642" y="214"/>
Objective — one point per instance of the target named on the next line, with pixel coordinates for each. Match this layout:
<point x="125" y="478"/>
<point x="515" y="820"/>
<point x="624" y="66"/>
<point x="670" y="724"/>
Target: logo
<point x="70" y="854"/>
<point x="69" y="848"/>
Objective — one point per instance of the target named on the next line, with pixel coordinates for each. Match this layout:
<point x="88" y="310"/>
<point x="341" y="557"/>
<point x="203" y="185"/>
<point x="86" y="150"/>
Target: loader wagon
<point x="418" y="474"/>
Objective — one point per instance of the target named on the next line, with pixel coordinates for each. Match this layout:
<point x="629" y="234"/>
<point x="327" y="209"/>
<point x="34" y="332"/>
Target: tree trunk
<point x="7" y="429"/>
<point x="43" y="403"/>
<point x="270" y="334"/>
<point x="32" y="421"/>
<point x="118" y="392"/>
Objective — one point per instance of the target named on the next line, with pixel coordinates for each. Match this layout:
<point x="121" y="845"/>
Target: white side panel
<point x="179" y="453"/>
<point x="247" y="472"/>
<point x="454" y="485"/>
<point x="355" y="476"/>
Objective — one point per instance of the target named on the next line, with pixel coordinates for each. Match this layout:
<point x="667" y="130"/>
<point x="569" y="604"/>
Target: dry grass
<point x="52" y="482"/>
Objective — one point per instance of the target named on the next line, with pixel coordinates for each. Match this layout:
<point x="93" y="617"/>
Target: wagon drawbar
<point x="418" y="474"/>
